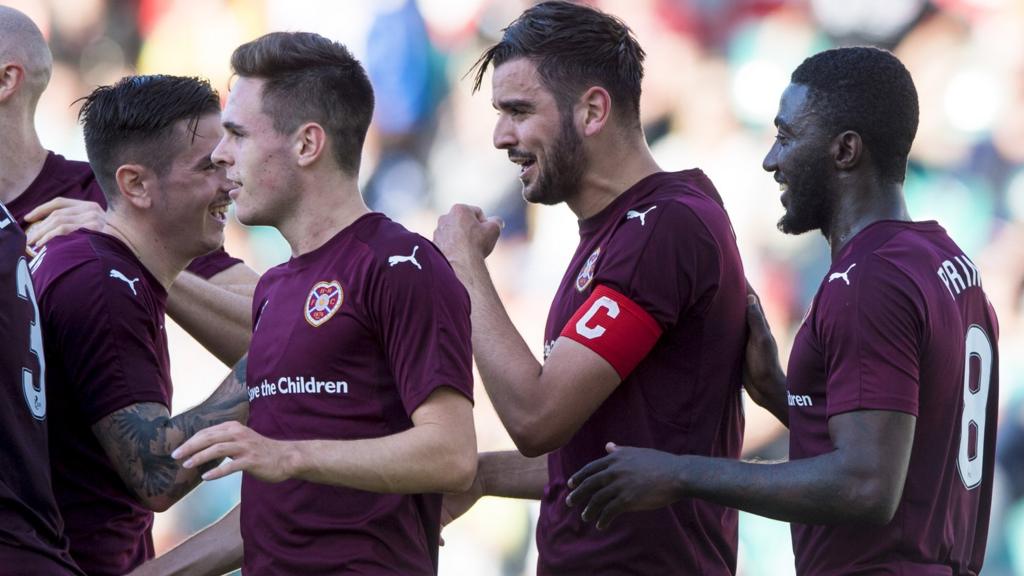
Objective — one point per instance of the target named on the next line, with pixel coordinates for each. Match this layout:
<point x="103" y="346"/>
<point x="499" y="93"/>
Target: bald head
<point x="23" y="44"/>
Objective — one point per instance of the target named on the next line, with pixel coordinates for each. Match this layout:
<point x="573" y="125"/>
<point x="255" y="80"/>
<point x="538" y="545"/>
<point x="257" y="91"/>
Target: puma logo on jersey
<point x="33" y="265"/>
<point x="259" y="315"/>
<point x="120" y="276"/>
<point x="842" y="275"/>
<point x="641" y="215"/>
<point x="398" y="258"/>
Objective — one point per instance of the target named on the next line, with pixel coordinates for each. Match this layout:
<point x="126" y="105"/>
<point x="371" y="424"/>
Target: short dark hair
<point x="134" y="120"/>
<point x="573" y="47"/>
<point x="869" y="91"/>
<point x="309" y="78"/>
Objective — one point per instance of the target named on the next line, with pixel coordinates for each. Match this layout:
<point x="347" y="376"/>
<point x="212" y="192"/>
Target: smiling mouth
<point x="219" y="211"/>
<point x="524" y="161"/>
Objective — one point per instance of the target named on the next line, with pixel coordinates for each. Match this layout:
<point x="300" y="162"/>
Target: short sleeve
<point x="664" y="262"/>
<point x="209" y="265"/>
<point x="422" y="314"/>
<point x="872" y="332"/>
<point x="107" y="342"/>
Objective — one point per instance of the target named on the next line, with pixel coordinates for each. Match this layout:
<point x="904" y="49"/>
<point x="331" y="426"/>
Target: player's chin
<point x="533" y="193"/>
<point x="211" y="239"/>
<point x="248" y="217"/>
<point x="793" y="224"/>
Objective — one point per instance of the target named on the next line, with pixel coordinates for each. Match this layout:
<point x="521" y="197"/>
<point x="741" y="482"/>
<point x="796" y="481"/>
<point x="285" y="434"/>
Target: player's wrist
<point x="682" y="476"/>
<point x="293" y="458"/>
<point x="468" y="267"/>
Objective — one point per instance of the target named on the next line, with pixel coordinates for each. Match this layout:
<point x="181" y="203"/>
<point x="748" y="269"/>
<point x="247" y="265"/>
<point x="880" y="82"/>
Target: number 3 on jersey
<point x="35" y="394"/>
<point x="977" y="363"/>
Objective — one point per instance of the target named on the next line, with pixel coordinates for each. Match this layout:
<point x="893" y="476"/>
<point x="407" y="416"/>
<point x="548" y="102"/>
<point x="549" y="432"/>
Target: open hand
<point x="61" y="216"/>
<point x="763" y="377"/>
<point x="269" y="460"/>
<point x="627" y="480"/>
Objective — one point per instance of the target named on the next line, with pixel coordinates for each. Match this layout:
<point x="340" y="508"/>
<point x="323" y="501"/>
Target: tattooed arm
<point x="139" y="440"/>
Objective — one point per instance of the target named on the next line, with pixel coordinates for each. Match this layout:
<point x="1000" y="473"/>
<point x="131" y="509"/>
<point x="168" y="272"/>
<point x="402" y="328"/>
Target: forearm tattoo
<point x="139" y="439"/>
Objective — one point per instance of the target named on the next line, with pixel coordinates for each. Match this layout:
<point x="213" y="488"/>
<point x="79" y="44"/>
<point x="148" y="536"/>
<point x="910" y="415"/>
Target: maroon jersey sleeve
<point x="209" y="265"/>
<point x="652" y="263"/>
<point x="423" y="321"/>
<point x="872" y="325"/>
<point x="105" y="333"/>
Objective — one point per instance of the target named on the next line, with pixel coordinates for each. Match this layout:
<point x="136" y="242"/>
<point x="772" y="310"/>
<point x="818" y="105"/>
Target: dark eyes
<point x="513" y="112"/>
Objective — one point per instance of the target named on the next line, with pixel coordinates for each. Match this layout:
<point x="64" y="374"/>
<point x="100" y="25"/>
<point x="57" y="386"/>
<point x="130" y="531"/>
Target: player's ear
<point x="310" y="143"/>
<point x="11" y="76"/>
<point x="595" y="107"/>
<point x="847" y="149"/>
<point x="133" y="184"/>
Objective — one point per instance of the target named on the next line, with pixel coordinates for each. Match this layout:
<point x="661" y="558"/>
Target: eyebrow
<point x="514" y="103"/>
<point x="229" y="125"/>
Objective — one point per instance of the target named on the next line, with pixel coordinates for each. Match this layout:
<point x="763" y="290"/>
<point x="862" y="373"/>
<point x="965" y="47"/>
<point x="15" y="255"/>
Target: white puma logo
<point x="120" y="276"/>
<point x="33" y="265"/>
<point x="842" y="275"/>
<point x="398" y="258"/>
<point x="641" y="215"/>
<point x="259" y="315"/>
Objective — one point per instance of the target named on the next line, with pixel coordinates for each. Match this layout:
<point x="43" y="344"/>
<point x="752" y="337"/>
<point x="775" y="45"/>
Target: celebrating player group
<point x="349" y="407"/>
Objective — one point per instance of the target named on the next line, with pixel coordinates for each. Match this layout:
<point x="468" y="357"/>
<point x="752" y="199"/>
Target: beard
<point x="566" y="164"/>
<point x="810" y="200"/>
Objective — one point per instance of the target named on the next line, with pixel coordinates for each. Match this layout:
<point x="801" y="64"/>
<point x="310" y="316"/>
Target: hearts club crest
<point x="323" y="301"/>
<point x="586" y="274"/>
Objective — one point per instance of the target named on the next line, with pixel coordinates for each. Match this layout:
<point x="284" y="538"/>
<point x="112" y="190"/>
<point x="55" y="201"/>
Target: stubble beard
<point x="566" y="164"/>
<point x="810" y="201"/>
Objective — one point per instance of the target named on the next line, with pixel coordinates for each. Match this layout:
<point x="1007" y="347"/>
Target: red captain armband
<point x="615" y="327"/>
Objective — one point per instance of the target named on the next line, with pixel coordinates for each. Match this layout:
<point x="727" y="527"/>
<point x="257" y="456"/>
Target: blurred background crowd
<point x="715" y="71"/>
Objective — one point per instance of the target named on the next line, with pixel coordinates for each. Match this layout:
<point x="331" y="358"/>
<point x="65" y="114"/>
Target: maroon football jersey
<point x="901" y="323"/>
<point x="348" y="340"/>
<point x="667" y="246"/>
<point x="70" y="179"/>
<point x="103" y="327"/>
<point x="31" y="541"/>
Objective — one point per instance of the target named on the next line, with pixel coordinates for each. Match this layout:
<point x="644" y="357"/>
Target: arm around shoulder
<point x="217" y="312"/>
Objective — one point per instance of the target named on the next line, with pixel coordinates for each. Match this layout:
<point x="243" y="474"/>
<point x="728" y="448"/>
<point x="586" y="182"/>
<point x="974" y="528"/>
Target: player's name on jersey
<point x="297" y="385"/>
<point x="955" y="281"/>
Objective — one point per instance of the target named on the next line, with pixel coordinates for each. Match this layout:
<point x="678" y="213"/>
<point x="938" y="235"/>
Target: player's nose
<point x="504" y="133"/>
<point x="220" y="155"/>
<point x="771" y="160"/>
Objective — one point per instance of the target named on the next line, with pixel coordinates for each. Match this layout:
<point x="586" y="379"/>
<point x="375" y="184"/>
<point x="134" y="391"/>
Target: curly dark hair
<point x="869" y="91"/>
<point x="574" y="47"/>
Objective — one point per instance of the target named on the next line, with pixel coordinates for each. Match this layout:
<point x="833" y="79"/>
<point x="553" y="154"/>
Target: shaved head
<point x="23" y="44"/>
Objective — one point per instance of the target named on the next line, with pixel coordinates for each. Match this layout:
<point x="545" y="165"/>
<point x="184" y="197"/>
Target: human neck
<point x="610" y="174"/>
<point x="161" y="259"/>
<point x="861" y="205"/>
<point x="21" y="156"/>
<point x="322" y="210"/>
